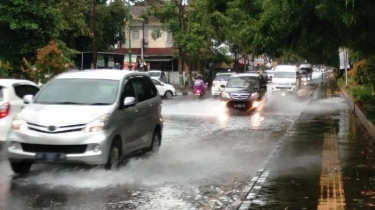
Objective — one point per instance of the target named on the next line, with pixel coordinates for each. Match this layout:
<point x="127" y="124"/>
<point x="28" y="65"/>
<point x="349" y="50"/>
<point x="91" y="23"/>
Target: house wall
<point x="136" y="42"/>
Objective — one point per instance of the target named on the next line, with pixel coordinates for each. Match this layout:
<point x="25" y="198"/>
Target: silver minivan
<point x="93" y="117"/>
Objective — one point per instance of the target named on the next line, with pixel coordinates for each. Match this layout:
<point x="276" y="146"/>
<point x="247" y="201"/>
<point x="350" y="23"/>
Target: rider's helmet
<point x="199" y="76"/>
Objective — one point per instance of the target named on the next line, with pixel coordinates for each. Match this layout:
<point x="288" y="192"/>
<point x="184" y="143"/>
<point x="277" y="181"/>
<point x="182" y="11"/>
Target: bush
<point x="362" y="93"/>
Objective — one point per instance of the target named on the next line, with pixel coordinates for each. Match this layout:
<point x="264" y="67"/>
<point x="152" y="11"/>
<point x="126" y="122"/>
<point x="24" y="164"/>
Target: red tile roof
<point x="147" y="51"/>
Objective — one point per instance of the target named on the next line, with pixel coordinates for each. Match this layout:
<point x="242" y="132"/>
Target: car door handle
<point x="137" y="111"/>
<point x="151" y="104"/>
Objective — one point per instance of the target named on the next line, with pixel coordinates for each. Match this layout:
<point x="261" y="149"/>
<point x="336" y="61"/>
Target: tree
<point x="26" y="26"/>
<point x="50" y="61"/>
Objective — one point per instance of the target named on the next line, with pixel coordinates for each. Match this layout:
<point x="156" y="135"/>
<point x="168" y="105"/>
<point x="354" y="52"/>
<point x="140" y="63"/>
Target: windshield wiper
<point x="68" y="102"/>
<point x="99" y="104"/>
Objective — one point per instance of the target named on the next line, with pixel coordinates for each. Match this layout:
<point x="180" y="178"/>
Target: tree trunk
<point x="180" y="68"/>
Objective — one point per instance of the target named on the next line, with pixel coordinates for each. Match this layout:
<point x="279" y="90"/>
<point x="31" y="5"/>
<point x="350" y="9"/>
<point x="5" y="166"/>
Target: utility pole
<point x="345" y="66"/>
<point x="93" y="27"/>
<point x="129" y="41"/>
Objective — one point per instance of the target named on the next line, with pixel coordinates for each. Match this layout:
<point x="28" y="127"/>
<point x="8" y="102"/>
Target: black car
<point x="244" y="90"/>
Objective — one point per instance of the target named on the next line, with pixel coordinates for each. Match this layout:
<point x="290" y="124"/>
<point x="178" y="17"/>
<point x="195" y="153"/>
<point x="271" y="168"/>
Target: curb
<point x="358" y="112"/>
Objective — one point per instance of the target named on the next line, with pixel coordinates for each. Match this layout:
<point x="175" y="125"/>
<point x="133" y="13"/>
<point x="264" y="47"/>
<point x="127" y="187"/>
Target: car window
<point x="156" y="82"/>
<point x="283" y="74"/>
<point x="79" y="91"/>
<point x="154" y="74"/>
<point x="128" y="91"/>
<point x="22" y="90"/>
<point x="222" y="77"/>
<point x="144" y="88"/>
<point x="243" y="82"/>
<point x="33" y="90"/>
<point x="1" y="93"/>
<point x="150" y="87"/>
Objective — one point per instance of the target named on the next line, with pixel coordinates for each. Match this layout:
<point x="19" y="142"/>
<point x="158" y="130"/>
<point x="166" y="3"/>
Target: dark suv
<point x="244" y="90"/>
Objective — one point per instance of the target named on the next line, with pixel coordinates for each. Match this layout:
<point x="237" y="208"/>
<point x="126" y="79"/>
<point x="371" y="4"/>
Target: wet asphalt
<point x="306" y="152"/>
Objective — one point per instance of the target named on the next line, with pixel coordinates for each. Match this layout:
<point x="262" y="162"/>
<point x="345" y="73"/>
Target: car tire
<point x="156" y="142"/>
<point x="21" y="167"/>
<point x="168" y="94"/>
<point x="114" y="156"/>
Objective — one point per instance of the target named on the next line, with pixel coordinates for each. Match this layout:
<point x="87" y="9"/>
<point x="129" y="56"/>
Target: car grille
<point x="240" y="96"/>
<point x="56" y="129"/>
<point x="67" y="149"/>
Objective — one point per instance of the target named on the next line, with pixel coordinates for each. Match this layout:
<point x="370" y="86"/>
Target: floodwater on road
<point x="207" y="157"/>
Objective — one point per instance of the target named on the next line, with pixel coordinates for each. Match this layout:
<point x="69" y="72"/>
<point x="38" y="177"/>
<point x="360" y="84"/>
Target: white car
<point x="220" y="79"/>
<point x="12" y="92"/>
<point x="165" y="90"/>
<point x="158" y="74"/>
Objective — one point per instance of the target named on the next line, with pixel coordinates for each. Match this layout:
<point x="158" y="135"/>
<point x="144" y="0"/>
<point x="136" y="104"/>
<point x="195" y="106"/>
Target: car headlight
<point x="97" y="125"/>
<point x="254" y="94"/>
<point x="225" y="95"/>
<point x="19" y="124"/>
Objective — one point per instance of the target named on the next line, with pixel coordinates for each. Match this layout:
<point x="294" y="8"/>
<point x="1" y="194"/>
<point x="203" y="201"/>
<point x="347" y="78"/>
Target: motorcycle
<point x="199" y="92"/>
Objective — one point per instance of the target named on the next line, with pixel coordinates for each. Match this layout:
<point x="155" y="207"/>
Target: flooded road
<point x="208" y="158"/>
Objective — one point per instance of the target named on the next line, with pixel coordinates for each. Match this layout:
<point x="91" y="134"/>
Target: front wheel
<point x="21" y="167"/>
<point x="114" y="156"/>
<point x="154" y="148"/>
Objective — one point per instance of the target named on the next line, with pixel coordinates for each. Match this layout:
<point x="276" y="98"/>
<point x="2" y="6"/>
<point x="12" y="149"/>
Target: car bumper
<point x="216" y="91"/>
<point x="77" y="147"/>
<point x="284" y="88"/>
<point x="240" y="104"/>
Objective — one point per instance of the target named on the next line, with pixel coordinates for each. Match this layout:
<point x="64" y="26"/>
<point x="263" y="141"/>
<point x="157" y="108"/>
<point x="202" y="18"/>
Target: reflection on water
<point x="256" y="119"/>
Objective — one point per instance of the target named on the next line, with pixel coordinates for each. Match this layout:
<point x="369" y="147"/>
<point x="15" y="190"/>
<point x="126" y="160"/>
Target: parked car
<point x="220" y="79"/>
<point x="158" y="74"/>
<point x="165" y="90"/>
<point x="244" y="90"/>
<point x="93" y="117"/>
<point x="11" y="93"/>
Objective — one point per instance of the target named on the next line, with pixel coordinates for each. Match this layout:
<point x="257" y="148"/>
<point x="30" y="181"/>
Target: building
<point x="157" y="53"/>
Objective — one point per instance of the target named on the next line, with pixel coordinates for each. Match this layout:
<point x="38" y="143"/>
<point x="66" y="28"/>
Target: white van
<point x="286" y="78"/>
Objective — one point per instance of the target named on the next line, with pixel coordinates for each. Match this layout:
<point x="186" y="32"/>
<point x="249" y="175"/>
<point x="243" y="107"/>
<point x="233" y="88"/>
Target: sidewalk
<point x="325" y="161"/>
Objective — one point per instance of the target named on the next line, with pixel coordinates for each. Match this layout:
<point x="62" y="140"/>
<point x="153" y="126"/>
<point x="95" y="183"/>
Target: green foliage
<point x="25" y="26"/>
<point x="50" y="61"/>
<point x="364" y="72"/>
<point x="362" y="93"/>
<point x="4" y="69"/>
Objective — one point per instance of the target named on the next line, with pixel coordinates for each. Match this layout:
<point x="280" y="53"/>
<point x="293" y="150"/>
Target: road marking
<point x="332" y="194"/>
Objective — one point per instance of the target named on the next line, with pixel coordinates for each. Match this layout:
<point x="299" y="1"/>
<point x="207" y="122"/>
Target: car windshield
<point x="242" y="82"/>
<point x="79" y="91"/>
<point x="284" y="74"/>
<point x="154" y="74"/>
<point x="222" y="77"/>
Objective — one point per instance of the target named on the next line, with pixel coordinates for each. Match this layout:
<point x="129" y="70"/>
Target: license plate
<point x="239" y="106"/>
<point x="50" y="157"/>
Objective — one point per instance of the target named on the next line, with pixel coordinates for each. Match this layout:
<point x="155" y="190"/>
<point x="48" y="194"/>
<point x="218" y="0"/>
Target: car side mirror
<point x="27" y="99"/>
<point x="129" y="101"/>
<point x="222" y="86"/>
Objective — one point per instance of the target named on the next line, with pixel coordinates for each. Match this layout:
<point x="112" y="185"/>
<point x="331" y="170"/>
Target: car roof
<point x="286" y="68"/>
<point x="248" y="74"/>
<point x="224" y="73"/>
<point x="99" y="74"/>
<point x="10" y="82"/>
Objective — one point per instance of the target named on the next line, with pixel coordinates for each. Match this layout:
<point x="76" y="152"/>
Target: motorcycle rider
<point x="199" y="84"/>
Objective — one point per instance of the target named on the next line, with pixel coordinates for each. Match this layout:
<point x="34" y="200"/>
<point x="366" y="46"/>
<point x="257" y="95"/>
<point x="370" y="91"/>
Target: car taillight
<point x="4" y="110"/>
